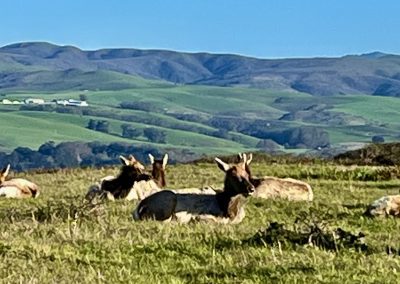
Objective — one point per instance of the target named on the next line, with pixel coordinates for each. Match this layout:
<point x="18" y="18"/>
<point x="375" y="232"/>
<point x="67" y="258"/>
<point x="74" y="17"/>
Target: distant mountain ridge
<point x="44" y="66"/>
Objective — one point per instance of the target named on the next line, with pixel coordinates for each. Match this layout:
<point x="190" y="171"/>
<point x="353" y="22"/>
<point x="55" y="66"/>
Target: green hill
<point x="31" y="65"/>
<point x="200" y="101"/>
<point x="197" y="116"/>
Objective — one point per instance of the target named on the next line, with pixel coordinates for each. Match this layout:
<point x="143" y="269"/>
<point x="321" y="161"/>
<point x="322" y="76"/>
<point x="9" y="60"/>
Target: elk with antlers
<point x="226" y="206"/>
<point x="142" y="189"/>
<point x="132" y="183"/>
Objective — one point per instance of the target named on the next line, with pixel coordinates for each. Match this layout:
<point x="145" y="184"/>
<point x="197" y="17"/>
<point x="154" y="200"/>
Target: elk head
<point x="158" y="171"/>
<point x="237" y="179"/>
<point x="131" y="162"/>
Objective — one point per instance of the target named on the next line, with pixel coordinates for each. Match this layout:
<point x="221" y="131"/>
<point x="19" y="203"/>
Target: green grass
<point x="203" y="101"/>
<point x="56" y="127"/>
<point x="33" y="129"/>
<point x="55" y="239"/>
<point x="213" y="100"/>
<point x="382" y="110"/>
<point x="194" y="99"/>
<point x="174" y="137"/>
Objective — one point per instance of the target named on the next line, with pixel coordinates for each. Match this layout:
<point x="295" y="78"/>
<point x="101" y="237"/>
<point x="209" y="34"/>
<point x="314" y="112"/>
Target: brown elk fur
<point x="131" y="172"/>
<point x="119" y="187"/>
<point x="158" y="170"/>
<point x="131" y="183"/>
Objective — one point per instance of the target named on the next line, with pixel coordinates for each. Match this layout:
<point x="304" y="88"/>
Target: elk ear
<point x="165" y="161"/>
<point x="5" y="171"/>
<point x="124" y="160"/>
<point x="222" y="165"/>
<point x="151" y="157"/>
<point x="250" y="158"/>
<point x="244" y="161"/>
<point x="240" y="157"/>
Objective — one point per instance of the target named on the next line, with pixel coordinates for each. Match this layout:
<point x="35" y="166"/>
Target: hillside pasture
<point x="59" y="238"/>
<point x="350" y="118"/>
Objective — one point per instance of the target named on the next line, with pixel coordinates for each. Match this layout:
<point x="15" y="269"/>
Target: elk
<point x="158" y="171"/>
<point x="16" y="187"/>
<point x="119" y="187"/>
<point x="131" y="183"/>
<point x="388" y="205"/>
<point x="142" y="189"/>
<point x="226" y="206"/>
<point x="131" y="172"/>
<point x="272" y="187"/>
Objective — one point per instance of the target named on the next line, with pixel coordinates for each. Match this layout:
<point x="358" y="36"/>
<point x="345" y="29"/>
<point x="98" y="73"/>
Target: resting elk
<point x="226" y="206"/>
<point x="273" y="187"/>
<point x="119" y="187"/>
<point x="142" y="189"/>
<point x="131" y="183"/>
<point x="388" y="205"/>
<point x="16" y="187"/>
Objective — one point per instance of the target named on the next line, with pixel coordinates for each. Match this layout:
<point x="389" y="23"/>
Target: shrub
<point x="155" y="135"/>
<point x="378" y="139"/>
<point x="129" y="131"/>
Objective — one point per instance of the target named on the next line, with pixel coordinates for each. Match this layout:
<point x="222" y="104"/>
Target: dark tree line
<point x="78" y="154"/>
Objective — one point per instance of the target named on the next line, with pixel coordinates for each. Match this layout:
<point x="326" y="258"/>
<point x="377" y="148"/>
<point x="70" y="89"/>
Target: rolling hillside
<point x="199" y="117"/>
<point x="44" y="66"/>
<point x="197" y="103"/>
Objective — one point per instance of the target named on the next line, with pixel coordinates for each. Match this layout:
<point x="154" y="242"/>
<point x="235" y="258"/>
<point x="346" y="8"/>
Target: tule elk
<point x="226" y="206"/>
<point x="272" y="187"/>
<point x="16" y="187"/>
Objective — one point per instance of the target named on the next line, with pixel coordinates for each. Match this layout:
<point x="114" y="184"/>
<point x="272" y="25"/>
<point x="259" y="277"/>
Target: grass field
<point x="362" y="116"/>
<point x="56" y="239"/>
<point x="44" y="126"/>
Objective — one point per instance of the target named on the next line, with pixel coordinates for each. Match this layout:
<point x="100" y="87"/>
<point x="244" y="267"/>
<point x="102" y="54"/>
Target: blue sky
<point x="260" y="28"/>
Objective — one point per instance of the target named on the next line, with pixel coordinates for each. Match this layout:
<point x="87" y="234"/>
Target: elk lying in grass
<point x="226" y="206"/>
<point x="131" y="183"/>
<point x="16" y="187"/>
<point x="388" y="205"/>
<point x="272" y="187"/>
<point x="131" y="172"/>
<point x="142" y="189"/>
<point x="119" y="187"/>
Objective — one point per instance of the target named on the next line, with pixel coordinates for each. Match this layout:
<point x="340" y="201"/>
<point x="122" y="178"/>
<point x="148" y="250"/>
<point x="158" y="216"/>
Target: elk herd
<point x="156" y="202"/>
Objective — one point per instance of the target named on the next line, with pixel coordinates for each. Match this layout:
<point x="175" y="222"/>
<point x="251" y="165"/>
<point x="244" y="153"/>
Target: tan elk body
<point x="272" y="187"/>
<point x="388" y="205"/>
<point x="16" y="187"/>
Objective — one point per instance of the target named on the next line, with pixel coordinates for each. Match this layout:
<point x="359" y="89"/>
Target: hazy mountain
<point x="44" y="66"/>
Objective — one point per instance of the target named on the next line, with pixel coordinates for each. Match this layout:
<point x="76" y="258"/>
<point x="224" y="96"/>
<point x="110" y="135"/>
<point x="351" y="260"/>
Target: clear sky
<point x="261" y="28"/>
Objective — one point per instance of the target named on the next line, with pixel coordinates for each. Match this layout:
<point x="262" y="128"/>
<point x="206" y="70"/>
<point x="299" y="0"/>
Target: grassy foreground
<point x="57" y="239"/>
